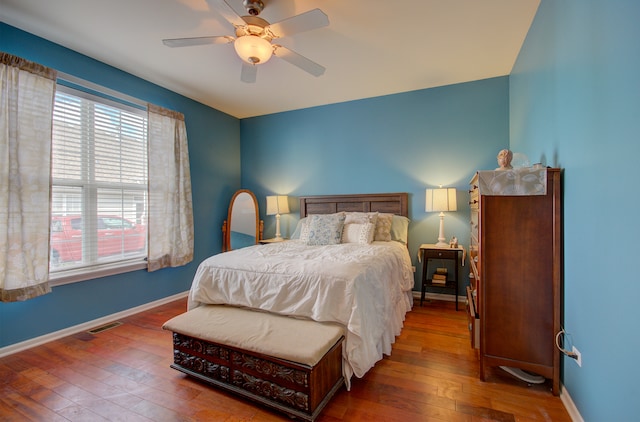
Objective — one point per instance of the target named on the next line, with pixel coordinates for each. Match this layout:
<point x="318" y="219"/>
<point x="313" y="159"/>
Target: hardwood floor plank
<point x="30" y="409"/>
<point x="486" y="413"/>
<point x="80" y="413"/>
<point x="123" y="374"/>
<point x="126" y="400"/>
<point x="51" y="400"/>
<point x="9" y="413"/>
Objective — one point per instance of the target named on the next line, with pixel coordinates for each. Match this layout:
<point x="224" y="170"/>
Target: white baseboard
<point x="440" y="296"/>
<point x="17" y="347"/>
<point x="570" y="405"/>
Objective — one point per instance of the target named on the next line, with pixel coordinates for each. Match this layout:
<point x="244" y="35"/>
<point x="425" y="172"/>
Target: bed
<point x="365" y="287"/>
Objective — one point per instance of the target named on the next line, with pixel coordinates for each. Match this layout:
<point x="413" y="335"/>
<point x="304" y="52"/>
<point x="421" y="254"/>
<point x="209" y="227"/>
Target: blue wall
<point x="398" y="143"/>
<point x="214" y="150"/>
<point x="575" y="103"/>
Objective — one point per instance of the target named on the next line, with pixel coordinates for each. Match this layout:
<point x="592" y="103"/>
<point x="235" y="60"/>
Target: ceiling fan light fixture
<point x="253" y="49"/>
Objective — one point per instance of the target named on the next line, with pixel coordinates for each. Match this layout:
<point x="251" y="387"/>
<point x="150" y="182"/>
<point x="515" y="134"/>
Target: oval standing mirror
<point x="242" y="227"/>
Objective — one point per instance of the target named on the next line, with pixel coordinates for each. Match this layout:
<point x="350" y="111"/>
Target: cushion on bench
<point x="297" y="340"/>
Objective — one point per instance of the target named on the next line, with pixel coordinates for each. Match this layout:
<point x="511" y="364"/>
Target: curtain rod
<point x="99" y="88"/>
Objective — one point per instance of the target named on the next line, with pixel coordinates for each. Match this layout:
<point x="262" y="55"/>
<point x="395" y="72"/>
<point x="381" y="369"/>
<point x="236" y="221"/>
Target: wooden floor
<point x="123" y="374"/>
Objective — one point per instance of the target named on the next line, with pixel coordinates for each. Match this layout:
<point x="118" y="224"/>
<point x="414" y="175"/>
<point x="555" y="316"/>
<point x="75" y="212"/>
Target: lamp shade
<point x="277" y="204"/>
<point x="441" y="199"/>
<point x="253" y="49"/>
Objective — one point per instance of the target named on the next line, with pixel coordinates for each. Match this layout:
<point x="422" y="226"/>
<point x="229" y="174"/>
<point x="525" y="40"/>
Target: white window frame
<point x="96" y="270"/>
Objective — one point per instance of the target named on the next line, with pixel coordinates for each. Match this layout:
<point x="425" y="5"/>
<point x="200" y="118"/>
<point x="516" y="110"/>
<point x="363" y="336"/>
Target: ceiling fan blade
<point x="186" y="42"/>
<point x="299" y="23"/>
<point x="249" y="72"/>
<point x="297" y="60"/>
<point x="227" y="12"/>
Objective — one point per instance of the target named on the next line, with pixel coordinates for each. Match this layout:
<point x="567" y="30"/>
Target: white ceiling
<point x="370" y="48"/>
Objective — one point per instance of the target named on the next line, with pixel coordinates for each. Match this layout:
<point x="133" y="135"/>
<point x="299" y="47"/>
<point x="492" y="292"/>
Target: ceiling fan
<point x="253" y="36"/>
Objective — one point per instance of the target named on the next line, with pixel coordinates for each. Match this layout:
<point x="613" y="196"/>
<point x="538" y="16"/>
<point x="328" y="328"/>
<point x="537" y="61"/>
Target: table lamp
<point x="440" y="200"/>
<point x="277" y="204"/>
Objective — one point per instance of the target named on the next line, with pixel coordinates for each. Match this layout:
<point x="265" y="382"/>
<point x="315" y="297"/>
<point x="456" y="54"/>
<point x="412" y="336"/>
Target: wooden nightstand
<point x="272" y="240"/>
<point x="428" y="252"/>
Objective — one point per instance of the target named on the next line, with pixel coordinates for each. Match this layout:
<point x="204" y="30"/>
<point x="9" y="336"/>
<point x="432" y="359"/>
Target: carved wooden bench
<point x="292" y="365"/>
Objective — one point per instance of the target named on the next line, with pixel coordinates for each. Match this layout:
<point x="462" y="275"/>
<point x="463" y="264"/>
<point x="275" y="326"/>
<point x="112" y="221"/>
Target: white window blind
<point x="99" y="184"/>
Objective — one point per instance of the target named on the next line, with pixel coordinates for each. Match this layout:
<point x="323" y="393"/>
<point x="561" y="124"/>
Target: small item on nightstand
<point x="453" y="243"/>
<point x="439" y="279"/>
<point x="440" y="276"/>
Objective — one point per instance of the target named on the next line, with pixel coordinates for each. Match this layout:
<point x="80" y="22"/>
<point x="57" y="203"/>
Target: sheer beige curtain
<point x="27" y="92"/>
<point x="170" y="221"/>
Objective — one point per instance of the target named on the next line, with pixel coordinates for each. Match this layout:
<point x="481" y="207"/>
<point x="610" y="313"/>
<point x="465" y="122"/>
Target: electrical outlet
<point x="578" y="357"/>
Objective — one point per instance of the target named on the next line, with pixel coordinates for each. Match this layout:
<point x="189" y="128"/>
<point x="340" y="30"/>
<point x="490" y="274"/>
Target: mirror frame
<point x="226" y="226"/>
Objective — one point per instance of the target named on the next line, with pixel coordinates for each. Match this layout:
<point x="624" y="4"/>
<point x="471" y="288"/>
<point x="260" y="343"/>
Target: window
<point x="99" y="185"/>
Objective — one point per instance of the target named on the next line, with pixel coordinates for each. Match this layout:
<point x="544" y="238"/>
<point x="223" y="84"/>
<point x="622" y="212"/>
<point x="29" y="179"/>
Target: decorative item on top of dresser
<point x="504" y="159"/>
<point x="516" y="257"/>
<point x="429" y="252"/>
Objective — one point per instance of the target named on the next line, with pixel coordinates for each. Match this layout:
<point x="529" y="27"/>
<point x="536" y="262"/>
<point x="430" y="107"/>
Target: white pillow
<point x="361" y="217"/>
<point x="358" y="233"/>
<point x="298" y="230"/>
<point x="304" y="230"/>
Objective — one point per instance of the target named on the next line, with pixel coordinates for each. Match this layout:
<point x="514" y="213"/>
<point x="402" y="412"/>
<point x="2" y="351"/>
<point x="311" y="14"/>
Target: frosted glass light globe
<point x="253" y="49"/>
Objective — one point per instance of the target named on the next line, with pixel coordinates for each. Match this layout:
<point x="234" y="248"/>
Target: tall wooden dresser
<point x="516" y="270"/>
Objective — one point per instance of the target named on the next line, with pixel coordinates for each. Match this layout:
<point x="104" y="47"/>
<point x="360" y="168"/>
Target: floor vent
<point x="105" y="327"/>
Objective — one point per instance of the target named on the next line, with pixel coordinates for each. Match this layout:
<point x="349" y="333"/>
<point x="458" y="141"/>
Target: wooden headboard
<point x="393" y="203"/>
